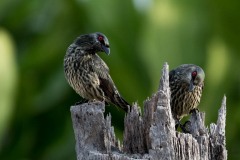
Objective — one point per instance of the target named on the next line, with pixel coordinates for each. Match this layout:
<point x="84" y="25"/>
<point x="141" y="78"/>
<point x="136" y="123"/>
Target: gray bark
<point x="150" y="135"/>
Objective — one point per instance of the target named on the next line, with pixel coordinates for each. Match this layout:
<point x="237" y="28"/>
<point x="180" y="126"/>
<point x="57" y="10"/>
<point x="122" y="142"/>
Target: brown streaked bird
<point x="186" y="85"/>
<point x="88" y="74"/>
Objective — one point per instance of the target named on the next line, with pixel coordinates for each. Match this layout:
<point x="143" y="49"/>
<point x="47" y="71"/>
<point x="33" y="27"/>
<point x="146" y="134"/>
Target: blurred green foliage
<point x="35" y="121"/>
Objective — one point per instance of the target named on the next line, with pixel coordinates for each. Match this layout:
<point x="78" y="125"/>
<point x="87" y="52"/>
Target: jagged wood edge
<point x="147" y="137"/>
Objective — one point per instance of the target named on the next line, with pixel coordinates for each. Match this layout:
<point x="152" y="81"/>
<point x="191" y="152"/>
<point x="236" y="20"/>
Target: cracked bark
<point x="150" y="135"/>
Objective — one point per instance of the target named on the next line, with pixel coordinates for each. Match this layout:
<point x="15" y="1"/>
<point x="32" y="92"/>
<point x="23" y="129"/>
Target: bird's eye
<point x="194" y="74"/>
<point x="100" y="38"/>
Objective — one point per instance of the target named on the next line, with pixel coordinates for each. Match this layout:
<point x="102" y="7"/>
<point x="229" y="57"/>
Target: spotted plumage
<point x="88" y="74"/>
<point x="186" y="84"/>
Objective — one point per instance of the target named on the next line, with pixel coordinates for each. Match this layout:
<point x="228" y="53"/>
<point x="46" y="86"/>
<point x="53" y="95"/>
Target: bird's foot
<point x="195" y="111"/>
<point x="186" y="127"/>
<point x="92" y="101"/>
<point x="95" y="100"/>
<point x="81" y="102"/>
<point x="178" y="124"/>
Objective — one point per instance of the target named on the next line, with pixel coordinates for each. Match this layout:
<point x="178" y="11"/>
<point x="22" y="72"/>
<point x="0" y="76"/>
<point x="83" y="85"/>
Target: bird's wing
<point x="102" y="71"/>
<point x="100" y="67"/>
<point x="107" y="85"/>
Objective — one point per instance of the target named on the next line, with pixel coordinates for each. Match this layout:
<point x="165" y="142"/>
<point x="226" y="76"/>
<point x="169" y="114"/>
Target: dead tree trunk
<point x="148" y="136"/>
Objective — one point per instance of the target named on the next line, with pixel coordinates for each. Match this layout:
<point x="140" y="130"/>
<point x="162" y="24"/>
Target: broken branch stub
<point x="150" y="135"/>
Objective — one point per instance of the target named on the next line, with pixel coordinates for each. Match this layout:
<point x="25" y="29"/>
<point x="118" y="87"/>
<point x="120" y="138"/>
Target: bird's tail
<point x="123" y="104"/>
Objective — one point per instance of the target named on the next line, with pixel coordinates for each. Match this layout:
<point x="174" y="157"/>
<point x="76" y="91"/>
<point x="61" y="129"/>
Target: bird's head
<point x="93" y="43"/>
<point x="191" y="74"/>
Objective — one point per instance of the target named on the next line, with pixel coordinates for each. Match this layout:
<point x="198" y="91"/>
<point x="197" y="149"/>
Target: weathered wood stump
<point x="148" y="136"/>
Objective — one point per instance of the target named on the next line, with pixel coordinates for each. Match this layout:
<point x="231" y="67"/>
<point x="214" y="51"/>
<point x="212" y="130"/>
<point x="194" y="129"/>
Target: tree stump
<point x="150" y="135"/>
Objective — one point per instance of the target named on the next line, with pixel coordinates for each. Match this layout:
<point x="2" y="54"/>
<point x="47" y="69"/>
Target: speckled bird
<point x="88" y="74"/>
<point x="186" y="84"/>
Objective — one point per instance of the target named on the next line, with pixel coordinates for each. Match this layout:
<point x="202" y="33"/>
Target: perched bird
<point x="88" y="74"/>
<point x="186" y="85"/>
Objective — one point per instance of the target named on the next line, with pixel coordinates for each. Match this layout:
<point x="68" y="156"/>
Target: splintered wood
<point x="150" y="135"/>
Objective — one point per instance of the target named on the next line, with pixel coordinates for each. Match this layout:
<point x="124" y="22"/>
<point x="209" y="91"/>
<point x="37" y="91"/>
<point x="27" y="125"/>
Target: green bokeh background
<point x="35" y="98"/>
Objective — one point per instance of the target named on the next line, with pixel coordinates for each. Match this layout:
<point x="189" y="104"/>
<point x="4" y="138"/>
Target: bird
<point x="88" y="74"/>
<point x="186" y="85"/>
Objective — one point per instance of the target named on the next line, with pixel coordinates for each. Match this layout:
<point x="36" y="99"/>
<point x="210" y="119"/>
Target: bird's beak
<point x="191" y="86"/>
<point x="106" y="49"/>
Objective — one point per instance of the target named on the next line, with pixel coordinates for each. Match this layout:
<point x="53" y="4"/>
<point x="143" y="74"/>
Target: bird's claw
<point x="81" y="102"/>
<point x="195" y="110"/>
<point x="177" y="124"/>
<point x="186" y="127"/>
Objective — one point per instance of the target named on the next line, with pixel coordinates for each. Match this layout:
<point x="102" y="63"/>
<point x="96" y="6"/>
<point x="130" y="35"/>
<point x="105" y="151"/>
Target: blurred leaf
<point x="8" y="81"/>
<point x="143" y="34"/>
